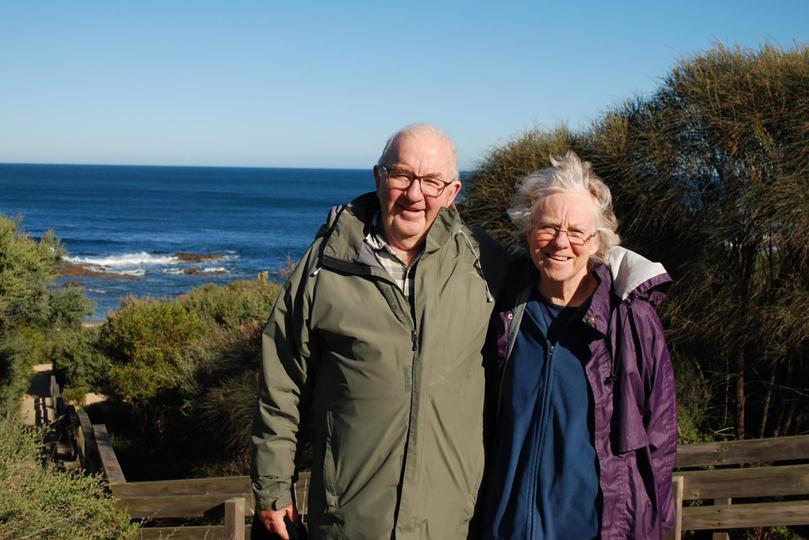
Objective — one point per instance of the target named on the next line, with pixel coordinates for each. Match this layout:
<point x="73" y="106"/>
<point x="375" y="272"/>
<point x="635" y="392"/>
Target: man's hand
<point x="273" y="520"/>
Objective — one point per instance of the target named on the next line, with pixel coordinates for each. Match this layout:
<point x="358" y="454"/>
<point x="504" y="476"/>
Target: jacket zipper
<point x="543" y="413"/>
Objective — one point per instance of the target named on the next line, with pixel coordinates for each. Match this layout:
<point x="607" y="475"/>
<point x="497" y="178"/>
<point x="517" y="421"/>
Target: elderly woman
<point x="586" y="427"/>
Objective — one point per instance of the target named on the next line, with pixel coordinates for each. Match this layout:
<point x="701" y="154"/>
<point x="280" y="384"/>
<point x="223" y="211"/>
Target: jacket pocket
<point x="629" y="440"/>
<point x="629" y="428"/>
<point x="329" y="466"/>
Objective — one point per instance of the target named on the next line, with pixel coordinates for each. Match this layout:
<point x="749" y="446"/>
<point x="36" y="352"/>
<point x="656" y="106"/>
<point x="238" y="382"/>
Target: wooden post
<point x="54" y="396"/>
<point x="721" y="535"/>
<point x="234" y="518"/>
<point x="54" y="390"/>
<point x="71" y="421"/>
<point x="677" y="487"/>
<point x="106" y="454"/>
<point x="84" y="442"/>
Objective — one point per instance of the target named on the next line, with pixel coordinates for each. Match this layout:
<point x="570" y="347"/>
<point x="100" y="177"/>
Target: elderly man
<point x="373" y="350"/>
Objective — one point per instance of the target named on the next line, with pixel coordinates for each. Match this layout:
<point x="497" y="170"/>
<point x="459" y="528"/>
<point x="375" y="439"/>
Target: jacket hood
<point x="635" y="275"/>
<point x="627" y="277"/>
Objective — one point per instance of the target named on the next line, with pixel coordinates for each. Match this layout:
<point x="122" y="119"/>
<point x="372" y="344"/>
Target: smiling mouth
<point x="558" y="258"/>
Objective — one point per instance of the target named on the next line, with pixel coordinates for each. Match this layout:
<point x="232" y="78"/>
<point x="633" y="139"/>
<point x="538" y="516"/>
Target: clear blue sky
<point x="322" y="84"/>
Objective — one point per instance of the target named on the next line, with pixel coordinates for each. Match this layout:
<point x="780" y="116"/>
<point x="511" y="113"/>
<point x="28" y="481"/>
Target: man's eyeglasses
<point x="545" y="233"/>
<point x="401" y="179"/>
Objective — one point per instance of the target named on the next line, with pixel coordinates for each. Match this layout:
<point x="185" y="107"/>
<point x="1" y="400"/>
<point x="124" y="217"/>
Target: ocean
<point x="160" y="231"/>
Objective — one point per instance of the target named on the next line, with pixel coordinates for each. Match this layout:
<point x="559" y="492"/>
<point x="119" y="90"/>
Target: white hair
<point x="414" y="130"/>
<point x="567" y="174"/>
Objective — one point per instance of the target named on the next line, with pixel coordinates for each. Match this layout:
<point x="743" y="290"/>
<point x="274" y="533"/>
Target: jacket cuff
<point x="274" y="504"/>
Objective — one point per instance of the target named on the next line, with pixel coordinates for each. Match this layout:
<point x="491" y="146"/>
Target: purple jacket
<point x="632" y="382"/>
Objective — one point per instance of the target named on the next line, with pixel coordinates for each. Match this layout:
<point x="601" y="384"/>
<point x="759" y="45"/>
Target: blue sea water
<point x="133" y="220"/>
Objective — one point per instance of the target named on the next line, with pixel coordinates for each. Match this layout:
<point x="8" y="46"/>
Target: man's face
<point x="407" y="213"/>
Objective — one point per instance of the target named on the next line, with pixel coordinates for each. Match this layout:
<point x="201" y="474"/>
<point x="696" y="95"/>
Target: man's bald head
<point x="417" y="130"/>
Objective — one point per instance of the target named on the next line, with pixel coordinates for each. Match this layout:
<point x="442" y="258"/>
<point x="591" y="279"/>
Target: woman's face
<point x="561" y="256"/>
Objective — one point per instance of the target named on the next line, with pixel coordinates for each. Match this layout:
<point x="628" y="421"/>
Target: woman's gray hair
<point x="566" y="174"/>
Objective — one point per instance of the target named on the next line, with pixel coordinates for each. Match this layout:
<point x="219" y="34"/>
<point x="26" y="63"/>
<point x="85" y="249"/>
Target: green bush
<point x="232" y="305"/>
<point x="31" y="311"/>
<point x="68" y="307"/>
<point x="19" y="352"/>
<point x="41" y="502"/>
<point x="152" y="345"/>
<point x="182" y="376"/>
<point x="226" y="413"/>
<point x="27" y="270"/>
<point x="79" y="364"/>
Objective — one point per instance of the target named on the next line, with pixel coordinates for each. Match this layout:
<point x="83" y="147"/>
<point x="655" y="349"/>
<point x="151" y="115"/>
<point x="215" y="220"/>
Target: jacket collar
<point x="346" y="240"/>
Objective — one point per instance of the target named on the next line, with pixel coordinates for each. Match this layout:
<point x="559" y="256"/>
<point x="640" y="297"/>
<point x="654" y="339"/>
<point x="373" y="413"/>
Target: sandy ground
<point x="38" y="395"/>
<point x="39" y="390"/>
<point x="92" y="397"/>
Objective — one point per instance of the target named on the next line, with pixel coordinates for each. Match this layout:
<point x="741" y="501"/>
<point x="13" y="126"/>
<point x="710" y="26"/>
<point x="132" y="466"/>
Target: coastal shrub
<point x="182" y="378"/>
<point x="39" y="501"/>
<point x="235" y="304"/>
<point x="151" y="345"/>
<point x="31" y="310"/>
<point x="67" y="307"/>
<point x="19" y="352"/>
<point x="27" y="270"/>
<point x="79" y="364"/>
<point x="225" y="414"/>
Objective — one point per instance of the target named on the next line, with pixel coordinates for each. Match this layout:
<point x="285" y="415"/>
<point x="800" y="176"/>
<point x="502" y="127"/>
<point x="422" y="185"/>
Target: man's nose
<point x="414" y="190"/>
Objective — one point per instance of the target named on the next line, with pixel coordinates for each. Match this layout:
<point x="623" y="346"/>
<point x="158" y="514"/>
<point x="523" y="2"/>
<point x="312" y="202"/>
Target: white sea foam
<point x="135" y="272"/>
<point x="214" y="269"/>
<point x="125" y="260"/>
<point x="173" y="271"/>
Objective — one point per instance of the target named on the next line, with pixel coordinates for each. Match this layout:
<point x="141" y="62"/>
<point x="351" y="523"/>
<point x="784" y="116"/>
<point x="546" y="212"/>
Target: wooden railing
<point x="765" y="470"/>
<point x="196" y="497"/>
<point x="745" y="487"/>
<point x="229" y="498"/>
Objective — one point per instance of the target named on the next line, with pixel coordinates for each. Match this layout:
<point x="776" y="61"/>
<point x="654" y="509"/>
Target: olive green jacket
<point x="392" y="398"/>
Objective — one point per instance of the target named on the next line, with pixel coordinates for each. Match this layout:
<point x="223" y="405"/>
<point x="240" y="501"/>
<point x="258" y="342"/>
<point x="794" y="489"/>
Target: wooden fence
<point x="750" y="483"/>
<point x="742" y="474"/>
<point x="717" y="486"/>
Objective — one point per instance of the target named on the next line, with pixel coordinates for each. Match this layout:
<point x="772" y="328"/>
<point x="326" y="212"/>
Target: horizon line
<point x="178" y="166"/>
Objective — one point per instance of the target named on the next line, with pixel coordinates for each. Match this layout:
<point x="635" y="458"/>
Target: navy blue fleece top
<point x="544" y="482"/>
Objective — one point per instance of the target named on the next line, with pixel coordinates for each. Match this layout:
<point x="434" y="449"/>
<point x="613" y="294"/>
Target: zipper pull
<point x="415" y="340"/>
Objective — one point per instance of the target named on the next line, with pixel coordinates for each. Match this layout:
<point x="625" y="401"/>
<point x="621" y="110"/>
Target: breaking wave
<point x="125" y="260"/>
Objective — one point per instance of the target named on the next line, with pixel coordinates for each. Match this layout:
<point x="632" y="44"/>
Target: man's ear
<point x="376" y="176"/>
<point x="456" y="188"/>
